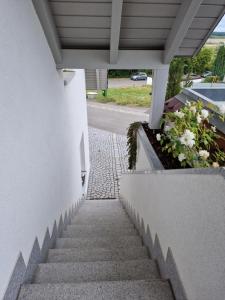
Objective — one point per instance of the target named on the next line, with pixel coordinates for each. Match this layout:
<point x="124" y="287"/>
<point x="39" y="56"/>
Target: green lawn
<point x="132" y="96"/>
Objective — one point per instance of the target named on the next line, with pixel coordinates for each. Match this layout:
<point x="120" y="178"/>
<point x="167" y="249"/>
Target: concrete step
<point x="101" y="214"/>
<point x="98" y="242"/>
<point x="73" y="231"/>
<point x="114" y="290"/>
<point x="96" y="254"/>
<point x="101" y="226"/>
<point x="96" y="271"/>
<point x="100" y="202"/>
<point x="100" y="221"/>
<point x="111" y="207"/>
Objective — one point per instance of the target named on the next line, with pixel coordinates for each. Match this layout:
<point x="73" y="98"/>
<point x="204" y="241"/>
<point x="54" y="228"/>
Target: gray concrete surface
<point x="105" y="242"/>
<point x="96" y="271"/>
<point x="124" y="82"/>
<point x="96" y="254"/>
<point x="99" y="262"/>
<point x="119" y="290"/>
<point x="114" y="118"/>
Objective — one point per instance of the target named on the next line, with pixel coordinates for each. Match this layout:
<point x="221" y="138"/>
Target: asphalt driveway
<point x="114" y="118"/>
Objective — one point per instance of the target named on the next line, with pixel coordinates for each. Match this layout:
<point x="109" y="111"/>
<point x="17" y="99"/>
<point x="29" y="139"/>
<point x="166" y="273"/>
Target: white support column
<point x="159" y="84"/>
<point x="98" y="79"/>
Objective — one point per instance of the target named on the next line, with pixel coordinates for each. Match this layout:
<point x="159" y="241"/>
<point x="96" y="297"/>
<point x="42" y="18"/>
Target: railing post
<point x="159" y="84"/>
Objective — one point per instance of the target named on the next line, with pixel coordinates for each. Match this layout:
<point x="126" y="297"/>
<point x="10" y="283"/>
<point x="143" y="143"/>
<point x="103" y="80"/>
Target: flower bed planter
<point x="149" y="153"/>
<point x="186" y="140"/>
<point x="147" y="159"/>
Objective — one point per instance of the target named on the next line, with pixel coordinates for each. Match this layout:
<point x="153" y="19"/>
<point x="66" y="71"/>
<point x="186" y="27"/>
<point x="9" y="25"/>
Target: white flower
<point x="158" y="137"/>
<point x="190" y="143"/>
<point x="189" y="134"/>
<point x="213" y="128"/>
<point x="204" y="113"/>
<point x="199" y="119"/>
<point x="215" y="164"/>
<point x="187" y="138"/>
<point x="179" y="114"/>
<point x="222" y="108"/>
<point x="193" y="109"/>
<point x="167" y="128"/>
<point x="181" y="157"/>
<point x="188" y="103"/>
<point x="204" y="154"/>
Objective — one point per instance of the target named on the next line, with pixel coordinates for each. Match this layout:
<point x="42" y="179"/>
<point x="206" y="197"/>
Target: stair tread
<point x="72" y="231"/>
<point x="113" y="290"/>
<point x="99" y="221"/>
<point x="99" y="256"/>
<point x="100" y="226"/>
<point x="105" y="242"/>
<point x="96" y="271"/>
<point x="96" y="254"/>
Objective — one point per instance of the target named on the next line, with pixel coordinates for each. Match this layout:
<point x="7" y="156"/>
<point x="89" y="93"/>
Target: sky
<point x="221" y="25"/>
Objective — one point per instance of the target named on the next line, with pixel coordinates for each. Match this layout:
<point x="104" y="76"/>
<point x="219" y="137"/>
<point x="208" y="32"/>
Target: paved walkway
<point x="108" y="158"/>
<point x="114" y="118"/>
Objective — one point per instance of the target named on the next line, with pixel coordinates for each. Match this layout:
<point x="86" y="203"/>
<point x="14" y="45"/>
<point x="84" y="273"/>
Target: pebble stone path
<point x="108" y="157"/>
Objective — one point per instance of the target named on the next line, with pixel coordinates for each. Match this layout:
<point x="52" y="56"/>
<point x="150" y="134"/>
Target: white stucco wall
<point x="142" y="162"/>
<point x="187" y="213"/>
<point x="41" y="125"/>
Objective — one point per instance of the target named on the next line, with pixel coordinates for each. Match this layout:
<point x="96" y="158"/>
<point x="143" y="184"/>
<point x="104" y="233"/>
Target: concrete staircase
<point x="99" y="256"/>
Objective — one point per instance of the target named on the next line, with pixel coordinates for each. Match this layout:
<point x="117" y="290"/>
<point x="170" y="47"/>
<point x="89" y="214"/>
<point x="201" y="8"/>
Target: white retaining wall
<point x="41" y="124"/>
<point x="188" y="214"/>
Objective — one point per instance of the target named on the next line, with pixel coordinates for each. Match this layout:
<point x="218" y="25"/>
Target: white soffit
<point x="115" y="25"/>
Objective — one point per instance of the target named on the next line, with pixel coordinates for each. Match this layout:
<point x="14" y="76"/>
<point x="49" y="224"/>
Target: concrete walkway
<point x="108" y="158"/>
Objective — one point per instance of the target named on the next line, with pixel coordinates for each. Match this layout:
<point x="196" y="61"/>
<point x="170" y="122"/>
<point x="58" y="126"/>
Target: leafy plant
<point x="176" y="73"/>
<point x="219" y="64"/>
<point x="211" y="79"/>
<point x="132" y="144"/>
<point x="189" y="137"/>
<point x="203" y="60"/>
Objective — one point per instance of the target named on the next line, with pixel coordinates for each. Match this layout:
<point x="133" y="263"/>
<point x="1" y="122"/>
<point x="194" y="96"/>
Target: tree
<point x="176" y="73"/>
<point x="202" y="61"/>
<point x="219" y="63"/>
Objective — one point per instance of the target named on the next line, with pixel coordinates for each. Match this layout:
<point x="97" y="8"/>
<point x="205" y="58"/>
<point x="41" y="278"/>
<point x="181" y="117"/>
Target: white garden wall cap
<point x="190" y="171"/>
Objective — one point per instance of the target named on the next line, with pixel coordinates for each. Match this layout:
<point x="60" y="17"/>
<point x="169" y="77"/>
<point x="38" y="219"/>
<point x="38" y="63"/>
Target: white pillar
<point x="159" y="84"/>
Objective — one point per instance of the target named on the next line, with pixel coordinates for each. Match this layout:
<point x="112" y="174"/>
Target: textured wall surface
<point x="187" y="214"/>
<point x="41" y="128"/>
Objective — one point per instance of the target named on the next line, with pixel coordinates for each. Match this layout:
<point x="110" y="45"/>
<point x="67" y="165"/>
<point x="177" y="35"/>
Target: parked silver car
<point x="139" y="76"/>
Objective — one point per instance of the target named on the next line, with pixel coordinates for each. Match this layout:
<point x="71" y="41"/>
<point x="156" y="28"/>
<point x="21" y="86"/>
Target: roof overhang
<point x="119" y="34"/>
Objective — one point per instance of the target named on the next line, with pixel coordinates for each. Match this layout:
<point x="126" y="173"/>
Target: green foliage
<point x="176" y="72"/>
<point x="219" y="64"/>
<point x="135" y="96"/>
<point x="202" y="61"/>
<point x="211" y="79"/>
<point x="132" y="144"/>
<point x="189" y="137"/>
